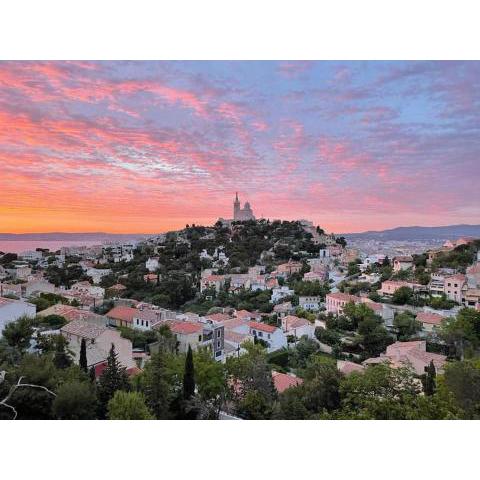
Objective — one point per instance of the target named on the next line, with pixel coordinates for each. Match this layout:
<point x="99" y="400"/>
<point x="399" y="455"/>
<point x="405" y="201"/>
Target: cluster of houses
<point x="464" y="289"/>
<point x="224" y="333"/>
<point x="412" y="354"/>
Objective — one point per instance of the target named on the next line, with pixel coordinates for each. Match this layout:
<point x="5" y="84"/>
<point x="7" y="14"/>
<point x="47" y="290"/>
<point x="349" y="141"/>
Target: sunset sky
<point x="143" y="147"/>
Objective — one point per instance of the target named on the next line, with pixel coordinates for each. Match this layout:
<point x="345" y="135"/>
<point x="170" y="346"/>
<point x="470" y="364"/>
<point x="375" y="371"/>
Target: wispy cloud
<point x="146" y="146"/>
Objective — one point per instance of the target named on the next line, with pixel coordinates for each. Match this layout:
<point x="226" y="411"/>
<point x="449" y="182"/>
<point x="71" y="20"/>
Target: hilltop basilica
<point x="241" y="214"/>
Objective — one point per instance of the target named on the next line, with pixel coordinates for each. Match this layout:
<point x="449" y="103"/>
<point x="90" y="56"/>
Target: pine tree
<point x="156" y="386"/>
<point x="189" y="386"/>
<point x="430" y="379"/>
<point x="113" y="378"/>
<point x="83" y="356"/>
<point x="91" y="374"/>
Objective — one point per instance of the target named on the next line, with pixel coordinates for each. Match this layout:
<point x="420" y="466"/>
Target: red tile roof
<point x="218" y="317"/>
<point x="282" y="381"/>
<point x="431" y="318"/>
<point x="344" y="297"/>
<point x="291" y="321"/>
<point x="262" y="327"/>
<point x="347" y="367"/>
<point x="124" y="314"/>
<point x="185" y="328"/>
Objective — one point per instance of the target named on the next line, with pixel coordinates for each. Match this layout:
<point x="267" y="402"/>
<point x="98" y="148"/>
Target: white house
<point x="204" y="255"/>
<point x="98" y="342"/>
<point x="370" y="277"/>
<point x="281" y="292"/>
<point x="273" y="336"/>
<point x="87" y="289"/>
<point x="402" y="263"/>
<point x="152" y="264"/>
<point x="309" y="302"/>
<point x="20" y="271"/>
<point x="298" y="327"/>
<point x="146" y="319"/>
<point x="97" y="274"/>
<point x="37" y="286"/>
<point x="11" y="310"/>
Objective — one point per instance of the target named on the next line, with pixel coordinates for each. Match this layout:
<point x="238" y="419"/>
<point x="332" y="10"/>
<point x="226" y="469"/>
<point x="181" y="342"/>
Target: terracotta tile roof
<point x="232" y="323"/>
<point x="408" y="345"/>
<point x="214" y="278"/>
<point x="413" y="354"/>
<point x="431" y="318"/>
<point x="125" y="314"/>
<point x="291" y="321"/>
<point x="403" y="259"/>
<point x="263" y="327"/>
<point x="349" y="367"/>
<point x="283" y="381"/>
<point x="147" y="314"/>
<point x="344" y="297"/>
<point x="271" y="283"/>
<point x="235" y="337"/>
<point x="185" y="328"/>
<point x="218" y="317"/>
<point x="458" y="276"/>
<point x="474" y="269"/>
<point x="83" y="329"/>
<point x="283" y="307"/>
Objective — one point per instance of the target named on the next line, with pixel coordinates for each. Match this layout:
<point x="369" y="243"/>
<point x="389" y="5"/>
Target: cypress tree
<point x="61" y="358"/>
<point x="189" y="386"/>
<point x="430" y="379"/>
<point x="189" y="376"/>
<point x="83" y="356"/>
<point x="113" y="378"/>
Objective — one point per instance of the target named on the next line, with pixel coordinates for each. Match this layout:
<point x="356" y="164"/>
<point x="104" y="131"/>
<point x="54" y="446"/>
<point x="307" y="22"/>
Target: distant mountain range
<point x="400" y="233"/>
<point x="63" y="236"/>
<point x="418" y="233"/>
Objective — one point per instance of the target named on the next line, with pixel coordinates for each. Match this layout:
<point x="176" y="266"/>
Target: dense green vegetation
<point x="175" y="386"/>
<point x="459" y="258"/>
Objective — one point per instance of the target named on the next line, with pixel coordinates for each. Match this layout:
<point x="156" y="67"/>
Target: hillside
<point x="418" y="233"/>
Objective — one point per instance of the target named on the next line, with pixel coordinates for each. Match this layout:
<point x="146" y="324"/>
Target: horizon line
<point x="57" y="232"/>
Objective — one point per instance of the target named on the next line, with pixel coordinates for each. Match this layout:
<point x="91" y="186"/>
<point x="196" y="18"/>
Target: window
<point x="218" y="333"/>
<point x="199" y="338"/>
<point x="260" y="334"/>
<point x="146" y="323"/>
<point x="218" y="344"/>
<point x="269" y="336"/>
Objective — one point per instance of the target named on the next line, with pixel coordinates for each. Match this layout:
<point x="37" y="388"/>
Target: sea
<point x="17" y="246"/>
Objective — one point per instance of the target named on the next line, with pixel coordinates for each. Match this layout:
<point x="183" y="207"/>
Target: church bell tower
<point x="236" y="207"/>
